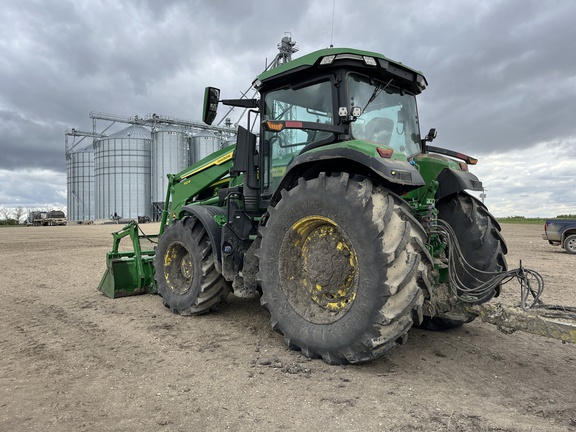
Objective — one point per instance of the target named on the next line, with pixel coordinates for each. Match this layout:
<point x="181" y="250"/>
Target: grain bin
<point x="229" y="140"/>
<point x="122" y="174"/>
<point x="170" y="155"/>
<point x="204" y="143"/>
<point x="80" y="185"/>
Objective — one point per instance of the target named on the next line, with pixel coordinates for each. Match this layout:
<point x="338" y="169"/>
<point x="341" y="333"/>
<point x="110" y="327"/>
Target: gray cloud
<point x="502" y="74"/>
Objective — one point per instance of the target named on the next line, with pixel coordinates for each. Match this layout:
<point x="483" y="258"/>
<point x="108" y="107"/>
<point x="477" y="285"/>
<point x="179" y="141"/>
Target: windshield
<point x="389" y="115"/>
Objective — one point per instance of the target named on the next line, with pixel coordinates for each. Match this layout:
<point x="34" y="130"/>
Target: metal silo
<point x="229" y="140"/>
<point x="170" y="155"/>
<point x="204" y="143"/>
<point x="80" y="185"/>
<point x="122" y="174"/>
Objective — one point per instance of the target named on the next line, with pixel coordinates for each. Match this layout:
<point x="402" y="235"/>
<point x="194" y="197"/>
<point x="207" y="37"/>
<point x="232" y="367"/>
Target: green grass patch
<point x="521" y="220"/>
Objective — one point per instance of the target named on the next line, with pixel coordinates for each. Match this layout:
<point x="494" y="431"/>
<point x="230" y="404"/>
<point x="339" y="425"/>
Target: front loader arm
<point x="184" y="187"/>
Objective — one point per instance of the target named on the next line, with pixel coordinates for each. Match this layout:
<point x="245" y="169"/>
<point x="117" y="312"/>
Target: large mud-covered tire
<point x="343" y="269"/>
<point x="482" y="245"/>
<point x="479" y="237"/>
<point x="185" y="275"/>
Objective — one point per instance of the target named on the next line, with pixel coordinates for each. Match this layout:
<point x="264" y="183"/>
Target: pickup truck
<point x="561" y="232"/>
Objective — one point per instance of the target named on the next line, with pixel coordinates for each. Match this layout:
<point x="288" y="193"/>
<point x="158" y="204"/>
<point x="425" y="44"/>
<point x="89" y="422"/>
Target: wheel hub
<point x="178" y="268"/>
<point x="330" y="271"/>
<point x="323" y="276"/>
<point x="571" y="245"/>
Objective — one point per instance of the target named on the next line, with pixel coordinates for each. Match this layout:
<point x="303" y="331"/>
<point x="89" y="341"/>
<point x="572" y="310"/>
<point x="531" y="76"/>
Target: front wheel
<point x="342" y="268"/>
<point x="570" y="244"/>
<point x="186" y="276"/>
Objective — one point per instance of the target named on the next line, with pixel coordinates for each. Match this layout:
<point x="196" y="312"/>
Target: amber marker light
<point x="277" y="127"/>
<point x="469" y="160"/>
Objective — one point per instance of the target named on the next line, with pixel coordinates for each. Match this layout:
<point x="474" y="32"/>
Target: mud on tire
<point x="186" y="276"/>
<point x="343" y="269"/>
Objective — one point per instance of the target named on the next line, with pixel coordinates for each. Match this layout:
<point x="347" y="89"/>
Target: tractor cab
<point x="351" y="107"/>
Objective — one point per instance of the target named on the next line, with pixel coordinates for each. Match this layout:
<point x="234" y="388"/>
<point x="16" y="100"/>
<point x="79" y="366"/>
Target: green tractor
<point x="338" y="213"/>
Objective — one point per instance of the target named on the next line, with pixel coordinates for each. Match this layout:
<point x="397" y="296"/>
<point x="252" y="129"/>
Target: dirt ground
<point x="75" y="360"/>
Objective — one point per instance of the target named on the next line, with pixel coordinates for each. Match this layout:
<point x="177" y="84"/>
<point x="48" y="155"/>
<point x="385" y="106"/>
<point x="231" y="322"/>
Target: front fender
<point x="205" y="215"/>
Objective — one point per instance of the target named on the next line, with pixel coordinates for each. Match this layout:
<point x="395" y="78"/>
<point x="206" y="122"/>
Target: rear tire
<point x="186" y="276"/>
<point x="570" y="244"/>
<point x="342" y="268"/>
<point x="482" y="244"/>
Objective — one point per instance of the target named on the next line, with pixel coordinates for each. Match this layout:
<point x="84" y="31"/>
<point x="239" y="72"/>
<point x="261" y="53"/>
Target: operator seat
<point x="379" y="129"/>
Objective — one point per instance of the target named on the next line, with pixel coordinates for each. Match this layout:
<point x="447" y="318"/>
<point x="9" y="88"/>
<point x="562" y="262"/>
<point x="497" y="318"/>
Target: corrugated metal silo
<point x="122" y="174"/>
<point x="204" y="143"/>
<point x="170" y="155"/>
<point x="229" y="140"/>
<point x="80" y="183"/>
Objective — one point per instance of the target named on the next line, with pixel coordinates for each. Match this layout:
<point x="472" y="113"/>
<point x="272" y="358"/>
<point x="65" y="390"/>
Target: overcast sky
<point x="501" y="74"/>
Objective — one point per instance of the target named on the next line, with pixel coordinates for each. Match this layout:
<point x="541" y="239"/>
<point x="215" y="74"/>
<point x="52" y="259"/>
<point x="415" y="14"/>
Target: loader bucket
<point x="129" y="272"/>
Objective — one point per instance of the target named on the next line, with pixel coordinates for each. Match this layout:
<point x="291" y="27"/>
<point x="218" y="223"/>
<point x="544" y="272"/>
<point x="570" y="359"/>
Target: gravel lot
<point x="75" y="360"/>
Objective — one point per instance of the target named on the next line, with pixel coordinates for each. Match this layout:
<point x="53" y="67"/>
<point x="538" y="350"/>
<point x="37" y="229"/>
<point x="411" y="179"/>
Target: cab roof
<point x="371" y="63"/>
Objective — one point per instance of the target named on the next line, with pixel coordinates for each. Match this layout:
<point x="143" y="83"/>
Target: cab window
<point x="311" y="103"/>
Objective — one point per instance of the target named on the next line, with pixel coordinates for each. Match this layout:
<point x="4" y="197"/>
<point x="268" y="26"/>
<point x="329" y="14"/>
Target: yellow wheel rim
<point x="324" y="275"/>
<point x="178" y="268"/>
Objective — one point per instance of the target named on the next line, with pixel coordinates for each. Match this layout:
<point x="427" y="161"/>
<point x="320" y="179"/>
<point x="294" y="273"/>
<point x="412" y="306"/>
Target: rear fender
<point x="452" y="181"/>
<point x="568" y="231"/>
<point x="398" y="176"/>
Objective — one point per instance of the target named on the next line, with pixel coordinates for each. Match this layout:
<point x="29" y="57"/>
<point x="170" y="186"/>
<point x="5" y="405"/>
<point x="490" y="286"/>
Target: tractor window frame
<point x="280" y="148"/>
<point x="391" y="104"/>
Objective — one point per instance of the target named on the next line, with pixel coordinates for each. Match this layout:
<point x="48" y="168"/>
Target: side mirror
<point x="211" y="99"/>
<point x="431" y="135"/>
